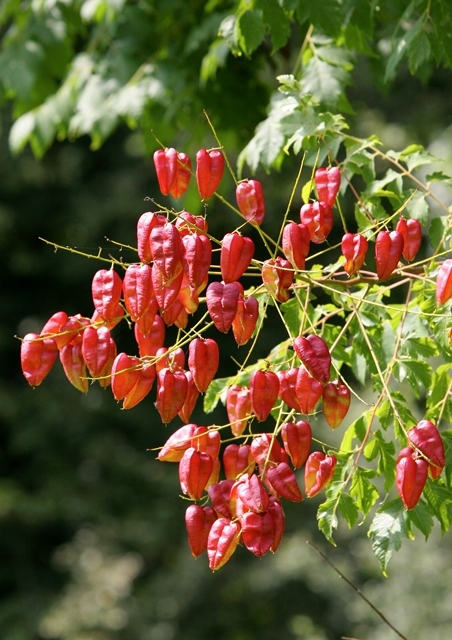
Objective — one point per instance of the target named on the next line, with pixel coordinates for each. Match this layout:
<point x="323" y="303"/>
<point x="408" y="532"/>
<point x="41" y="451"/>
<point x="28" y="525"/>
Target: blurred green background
<point x="92" y="538"/>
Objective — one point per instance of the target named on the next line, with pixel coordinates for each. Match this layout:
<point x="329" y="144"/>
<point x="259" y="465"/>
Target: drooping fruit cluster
<point x="244" y="481"/>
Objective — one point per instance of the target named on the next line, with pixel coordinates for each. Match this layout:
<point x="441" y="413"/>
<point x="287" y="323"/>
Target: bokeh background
<point x="92" y="539"/>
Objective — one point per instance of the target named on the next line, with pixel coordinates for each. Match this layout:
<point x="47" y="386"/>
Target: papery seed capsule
<point x="318" y="472"/>
<point x="223" y="539"/>
<point x="209" y="171"/>
<point x="187" y="223"/>
<point x="195" y="468"/>
<point x="354" y="248"/>
<point x="250" y="201"/>
<point x="264" y="388"/>
<point x="278" y="276"/>
<point x="411" y="231"/>
<point x="37" y="356"/>
<point x="222" y="301"/>
<point x="238" y="407"/>
<point x="146" y="222"/>
<point x="444" y="282"/>
<point x="327" y="182"/>
<point x="203" y="361"/>
<point x="71" y="357"/>
<point x="173" y="171"/>
<point x="297" y="439"/>
<point x="336" y="403"/>
<point x="245" y="319"/>
<point x="235" y="256"/>
<point x="124" y="375"/>
<point x="171" y="393"/>
<point x="315" y="355"/>
<point x="295" y="244"/>
<point x="411" y="476"/>
<point x="96" y="345"/>
<point x="283" y="481"/>
<point x="106" y="290"/>
<point x="177" y="443"/>
<point x="196" y="258"/>
<point x="318" y="218"/>
<point x="388" y="251"/>
<point x="308" y="390"/>
<point x="258" y="532"/>
<point x="427" y="439"/>
<point x="198" y="522"/>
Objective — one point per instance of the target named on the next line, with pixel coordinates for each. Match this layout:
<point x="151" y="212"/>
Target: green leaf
<point x="251" y="30"/>
<point x="276" y="22"/>
<point x="327" y="16"/>
<point x="263" y="148"/>
<point x="21" y="132"/>
<point x="387" y="531"/>
<point x="416" y="156"/>
<point x="327" y="519"/>
<point x="324" y="81"/>
<point x="437" y="230"/>
<point x="214" y="392"/>
<point x="421" y="518"/>
<point x="348" y="509"/>
<point x="363" y="491"/>
<point x="438" y="498"/>
<point x="418" y="208"/>
<point x="386" y="462"/>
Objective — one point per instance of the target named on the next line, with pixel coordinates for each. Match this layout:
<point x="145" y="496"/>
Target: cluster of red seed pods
<point x="164" y="289"/>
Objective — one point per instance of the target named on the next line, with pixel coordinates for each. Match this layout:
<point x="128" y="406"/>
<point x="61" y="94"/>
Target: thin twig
<point x="358" y="591"/>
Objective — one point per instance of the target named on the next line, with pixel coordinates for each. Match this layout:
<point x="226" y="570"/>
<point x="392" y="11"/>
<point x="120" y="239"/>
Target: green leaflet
<point x="387" y="531"/>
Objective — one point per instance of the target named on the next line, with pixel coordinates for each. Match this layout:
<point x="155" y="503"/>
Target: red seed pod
<point x="411" y="476"/>
<point x="264" y="389"/>
<point x="196" y="258"/>
<point x="37" y="356"/>
<point x="266" y="448"/>
<point x="187" y="223"/>
<point x="426" y="438"/>
<point x="151" y="341"/>
<point x="327" y="182"/>
<point x="167" y="249"/>
<point x="251" y="493"/>
<point x="72" y="331"/>
<point x="411" y="231"/>
<point x="203" y="361"/>
<point x="223" y="539"/>
<point x="125" y="373"/>
<point x="444" y="282"/>
<point x="171" y="393"/>
<point x="98" y="321"/>
<point x="283" y="481"/>
<point x="245" y="319"/>
<point x="236" y="254"/>
<point x="354" y="248"/>
<point x="138" y="291"/>
<point x="388" y="251"/>
<point x="104" y="377"/>
<point x="287" y="387"/>
<point x="277" y="276"/>
<point x="250" y="201"/>
<point x="106" y="289"/>
<point x="222" y="302"/>
<point x="315" y="355"/>
<point x="173" y="359"/>
<point x="238" y="407"/>
<point x="295" y="244"/>
<point x="198" y="522"/>
<point x="276" y="511"/>
<point x="207" y="439"/>
<point x="258" y="532"/>
<point x="318" y="472"/>
<point x="173" y="171"/>
<point x="220" y="498"/>
<point x="96" y="349"/>
<point x="209" y="171"/>
<point x="187" y="297"/>
<point x="237" y="460"/>
<point x="74" y="366"/>
<point x="142" y="387"/>
<point x="318" y="218"/>
<point x="190" y="399"/>
<point x="165" y="291"/>
<point x="308" y="390"/>
<point x="336" y="403"/>
<point x="195" y="468"/>
<point x="177" y="444"/>
<point x="146" y="222"/>
<point x="54" y="326"/>
<point x="297" y="439"/>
